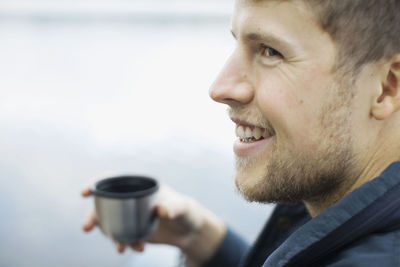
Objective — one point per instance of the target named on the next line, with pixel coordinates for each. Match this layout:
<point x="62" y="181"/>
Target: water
<point x="84" y="100"/>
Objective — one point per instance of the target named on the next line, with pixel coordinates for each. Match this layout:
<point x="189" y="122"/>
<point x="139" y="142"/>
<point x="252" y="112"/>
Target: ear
<point x="388" y="100"/>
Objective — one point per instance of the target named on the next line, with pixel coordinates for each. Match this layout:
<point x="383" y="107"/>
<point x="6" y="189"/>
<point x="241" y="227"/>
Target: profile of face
<point x="293" y="112"/>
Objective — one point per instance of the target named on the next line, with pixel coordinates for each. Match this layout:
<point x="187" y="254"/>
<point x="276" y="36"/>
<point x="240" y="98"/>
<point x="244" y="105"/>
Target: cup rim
<point x="125" y="179"/>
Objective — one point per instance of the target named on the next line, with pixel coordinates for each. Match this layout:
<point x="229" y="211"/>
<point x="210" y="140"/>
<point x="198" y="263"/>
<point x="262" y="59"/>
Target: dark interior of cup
<point x="125" y="187"/>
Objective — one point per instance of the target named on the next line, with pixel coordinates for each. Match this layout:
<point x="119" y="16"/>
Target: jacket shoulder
<point x="379" y="249"/>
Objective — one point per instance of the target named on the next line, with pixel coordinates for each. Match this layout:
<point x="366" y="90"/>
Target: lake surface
<point x="85" y="99"/>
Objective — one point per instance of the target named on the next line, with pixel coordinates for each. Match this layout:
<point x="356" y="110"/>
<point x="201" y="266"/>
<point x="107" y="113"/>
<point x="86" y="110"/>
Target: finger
<point x="120" y="247"/>
<point x="86" y="192"/>
<point x="162" y="212"/>
<point x="138" y="246"/>
<point x="90" y="222"/>
<point x="169" y="211"/>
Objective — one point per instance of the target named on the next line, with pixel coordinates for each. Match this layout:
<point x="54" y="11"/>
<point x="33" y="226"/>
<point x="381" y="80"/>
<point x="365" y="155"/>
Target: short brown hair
<point x="365" y="31"/>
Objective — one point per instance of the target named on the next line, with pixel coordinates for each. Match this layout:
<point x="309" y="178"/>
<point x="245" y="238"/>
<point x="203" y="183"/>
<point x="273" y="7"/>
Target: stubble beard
<point x="292" y="176"/>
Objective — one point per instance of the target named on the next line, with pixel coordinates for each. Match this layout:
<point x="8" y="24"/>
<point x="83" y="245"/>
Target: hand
<point x="184" y="223"/>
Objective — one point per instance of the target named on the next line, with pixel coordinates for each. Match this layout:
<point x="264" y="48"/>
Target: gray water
<point x="80" y="100"/>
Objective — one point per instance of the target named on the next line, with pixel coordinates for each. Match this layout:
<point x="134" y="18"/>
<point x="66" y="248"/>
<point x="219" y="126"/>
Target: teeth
<point x="240" y="132"/>
<point x="246" y="134"/>
<point x="257" y="133"/>
<point x="264" y="134"/>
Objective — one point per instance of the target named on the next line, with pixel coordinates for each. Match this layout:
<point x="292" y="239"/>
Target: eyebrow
<point x="267" y="38"/>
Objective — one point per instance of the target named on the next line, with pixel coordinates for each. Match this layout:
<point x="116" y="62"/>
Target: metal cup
<point x="124" y="207"/>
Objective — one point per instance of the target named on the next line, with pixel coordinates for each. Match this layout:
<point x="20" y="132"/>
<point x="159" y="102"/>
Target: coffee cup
<point x="125" y="207"/>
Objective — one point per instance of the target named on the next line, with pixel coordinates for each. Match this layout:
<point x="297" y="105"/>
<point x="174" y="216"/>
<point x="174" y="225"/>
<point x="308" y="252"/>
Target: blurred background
<point x="95" y="88"/>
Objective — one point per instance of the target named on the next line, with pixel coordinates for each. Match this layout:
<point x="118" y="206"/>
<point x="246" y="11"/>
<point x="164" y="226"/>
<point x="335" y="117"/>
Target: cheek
<point x="294" y="116"/>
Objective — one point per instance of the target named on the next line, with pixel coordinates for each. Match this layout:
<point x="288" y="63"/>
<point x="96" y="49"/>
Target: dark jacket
<point x="363" y="229"/>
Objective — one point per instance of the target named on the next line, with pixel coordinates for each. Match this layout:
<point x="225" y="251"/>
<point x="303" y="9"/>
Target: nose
<point x="232" y="86"/>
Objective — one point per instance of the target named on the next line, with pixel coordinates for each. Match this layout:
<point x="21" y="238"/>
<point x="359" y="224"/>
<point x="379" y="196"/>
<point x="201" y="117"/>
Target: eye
<point x="270" y="52"/>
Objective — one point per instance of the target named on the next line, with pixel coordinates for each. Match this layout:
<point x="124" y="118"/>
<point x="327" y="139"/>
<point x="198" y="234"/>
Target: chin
<point x="250" y="186"/>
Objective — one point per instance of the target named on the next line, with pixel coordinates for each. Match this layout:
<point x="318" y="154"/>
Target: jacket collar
<point x="371" y="207"/>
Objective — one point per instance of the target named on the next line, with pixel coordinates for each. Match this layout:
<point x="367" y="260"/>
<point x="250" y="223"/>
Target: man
<point x="314" y="90"/>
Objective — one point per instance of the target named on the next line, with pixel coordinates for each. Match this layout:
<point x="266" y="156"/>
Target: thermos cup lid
<point x="125" y="186"/>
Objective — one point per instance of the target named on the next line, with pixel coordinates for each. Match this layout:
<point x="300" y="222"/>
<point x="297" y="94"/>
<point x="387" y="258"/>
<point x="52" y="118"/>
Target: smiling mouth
<point x="251" y="138"/>
<point x="249" y="134"/>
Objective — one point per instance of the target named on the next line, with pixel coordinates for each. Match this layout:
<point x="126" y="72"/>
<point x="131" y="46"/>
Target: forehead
<point x="292" y="22"/>
<point x="273" y="15"/>
<point x="290" y="27"/>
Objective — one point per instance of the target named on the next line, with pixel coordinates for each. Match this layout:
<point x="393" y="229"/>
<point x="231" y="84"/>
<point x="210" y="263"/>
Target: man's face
<point x="292" y="113"/>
